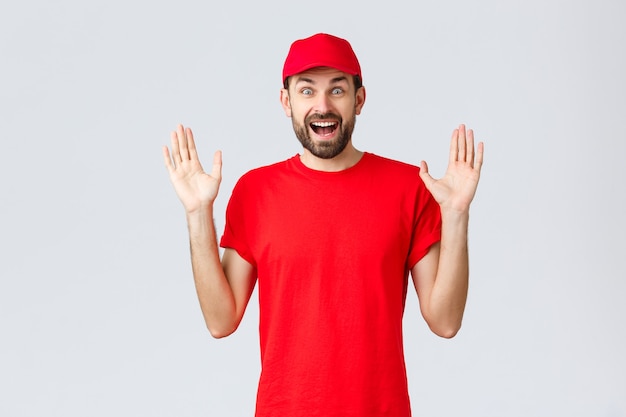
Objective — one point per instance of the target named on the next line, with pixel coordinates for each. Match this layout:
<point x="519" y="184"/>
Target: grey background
<point x="98" y="314"/>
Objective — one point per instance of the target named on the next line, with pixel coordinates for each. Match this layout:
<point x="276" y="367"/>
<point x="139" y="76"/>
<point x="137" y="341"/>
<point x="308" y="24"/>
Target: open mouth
<point x="324" y="128"/>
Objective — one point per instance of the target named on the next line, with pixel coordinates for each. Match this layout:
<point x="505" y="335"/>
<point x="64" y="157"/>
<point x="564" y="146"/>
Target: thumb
<point x="424" y="175"/>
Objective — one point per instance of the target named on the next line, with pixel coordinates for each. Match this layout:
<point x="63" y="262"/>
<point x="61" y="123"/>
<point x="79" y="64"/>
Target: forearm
<point x="444" y="270"/>
<point x="449" y="292"/>
<point x="214" y="292"/>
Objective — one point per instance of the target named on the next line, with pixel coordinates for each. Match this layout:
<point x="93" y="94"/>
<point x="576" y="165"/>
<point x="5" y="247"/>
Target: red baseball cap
<point x="321" y="50"/>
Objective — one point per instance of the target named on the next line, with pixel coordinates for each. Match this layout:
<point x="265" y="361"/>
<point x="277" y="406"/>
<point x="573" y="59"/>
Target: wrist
<point x="452" y="215"/>
<point x="201" y="212"/>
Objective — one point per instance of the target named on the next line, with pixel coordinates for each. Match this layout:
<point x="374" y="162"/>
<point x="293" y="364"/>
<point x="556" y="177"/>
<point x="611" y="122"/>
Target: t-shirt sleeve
<point x="234" y="236"/>
<point x="427" y="226"/>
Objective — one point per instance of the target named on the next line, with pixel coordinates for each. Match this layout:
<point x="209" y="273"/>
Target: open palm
<point x="195" y="188"/>
<point x="456" y="189"/>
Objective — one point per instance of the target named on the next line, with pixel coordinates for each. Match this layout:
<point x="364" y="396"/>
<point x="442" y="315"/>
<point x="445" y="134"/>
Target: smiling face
<point x="323" y="105"/>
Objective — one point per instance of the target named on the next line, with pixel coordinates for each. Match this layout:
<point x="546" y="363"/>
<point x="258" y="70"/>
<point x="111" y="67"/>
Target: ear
<point x="284" y="100"/>
<point x="359" y="100"/>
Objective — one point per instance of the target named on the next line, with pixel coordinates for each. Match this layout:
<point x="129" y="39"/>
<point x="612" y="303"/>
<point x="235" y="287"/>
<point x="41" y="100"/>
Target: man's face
<point x="323" y="106"/>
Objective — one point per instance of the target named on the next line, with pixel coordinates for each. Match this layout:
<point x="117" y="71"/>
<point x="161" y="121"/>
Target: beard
<point x="325" y="149"/>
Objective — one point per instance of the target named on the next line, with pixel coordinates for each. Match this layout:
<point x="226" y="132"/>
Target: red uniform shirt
<point x="332" y="251"/>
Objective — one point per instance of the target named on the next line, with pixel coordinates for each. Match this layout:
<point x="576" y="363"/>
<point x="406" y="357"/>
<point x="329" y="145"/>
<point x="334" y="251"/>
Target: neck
<point x="346" y="159"/>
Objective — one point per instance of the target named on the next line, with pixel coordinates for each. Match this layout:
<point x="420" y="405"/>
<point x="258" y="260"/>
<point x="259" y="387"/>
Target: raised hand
<point x="195" y="188"/>
<point x="456" y="189"/>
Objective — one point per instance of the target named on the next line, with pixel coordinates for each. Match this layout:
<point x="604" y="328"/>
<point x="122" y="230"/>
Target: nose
<point x="322" y="104"/>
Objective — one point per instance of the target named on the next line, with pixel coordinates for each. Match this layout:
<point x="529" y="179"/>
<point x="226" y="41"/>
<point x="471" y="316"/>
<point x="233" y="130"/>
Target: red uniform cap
<point x="321" y="50"/>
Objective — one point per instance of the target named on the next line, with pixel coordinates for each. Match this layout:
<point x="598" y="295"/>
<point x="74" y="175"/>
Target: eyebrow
<point x="311" y="81"/>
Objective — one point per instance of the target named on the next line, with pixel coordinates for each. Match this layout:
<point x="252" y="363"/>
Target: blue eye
<point x="337" y="91"/>
<point x="307" y="91"/>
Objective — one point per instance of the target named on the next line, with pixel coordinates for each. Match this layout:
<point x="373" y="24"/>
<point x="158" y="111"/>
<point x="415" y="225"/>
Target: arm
<point x="223" y="288"/>
<point x="441" y="277"/>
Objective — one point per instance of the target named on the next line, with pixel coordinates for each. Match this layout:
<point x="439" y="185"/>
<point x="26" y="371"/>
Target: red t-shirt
<point x="332" y="251"/>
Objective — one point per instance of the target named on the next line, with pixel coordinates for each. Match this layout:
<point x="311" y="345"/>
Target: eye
<point x="337" y="90"/>
<point x="306" y="91"/>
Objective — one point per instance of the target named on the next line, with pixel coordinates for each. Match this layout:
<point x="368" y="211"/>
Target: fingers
<point x="167" y="159"/>
<point x="454" y="147"/>
<point x="469" y="156"/>
<point x="182" y="142"/>
<point x="462" y="156"/>
<point x="191" y="144"/>
<point x="184" y="150"/>
<point x="183" y="145"/>
<point x="216" y="170"/>
<point x="462" y="146"/>
<point x="479" y="156"/>
<point x="175" y="149"/>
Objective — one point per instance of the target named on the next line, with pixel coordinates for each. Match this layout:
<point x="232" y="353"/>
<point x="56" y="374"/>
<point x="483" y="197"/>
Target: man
<point x="331" y="236"/>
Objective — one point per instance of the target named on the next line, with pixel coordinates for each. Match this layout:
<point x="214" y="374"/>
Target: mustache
<point x="322" y="116"/>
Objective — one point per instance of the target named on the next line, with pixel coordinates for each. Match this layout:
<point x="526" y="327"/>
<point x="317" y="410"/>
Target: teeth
<point x="323" y="124"/>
